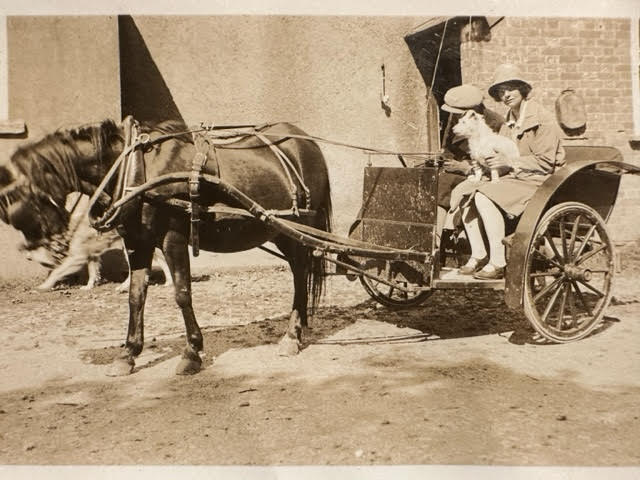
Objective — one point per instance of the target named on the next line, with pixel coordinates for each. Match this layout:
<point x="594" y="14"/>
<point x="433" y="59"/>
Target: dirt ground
<point x="459" y="380"/>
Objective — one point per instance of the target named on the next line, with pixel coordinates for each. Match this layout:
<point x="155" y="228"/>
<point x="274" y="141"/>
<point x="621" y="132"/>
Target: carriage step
<point x="451" y="278"/>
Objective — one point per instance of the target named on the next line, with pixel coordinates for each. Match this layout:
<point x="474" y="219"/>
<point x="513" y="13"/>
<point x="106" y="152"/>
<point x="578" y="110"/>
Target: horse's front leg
<point x="176" y="253"/>
<point x="139" y="256"/>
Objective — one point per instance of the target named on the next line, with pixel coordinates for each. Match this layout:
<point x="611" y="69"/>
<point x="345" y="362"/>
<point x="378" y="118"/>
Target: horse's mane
<point x="47" y="163"/>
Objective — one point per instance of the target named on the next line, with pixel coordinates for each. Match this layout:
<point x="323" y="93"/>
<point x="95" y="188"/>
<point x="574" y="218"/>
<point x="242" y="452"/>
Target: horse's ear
<point x="112" y="129"/>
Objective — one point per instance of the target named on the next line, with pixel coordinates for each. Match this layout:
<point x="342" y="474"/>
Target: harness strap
<point x="199" y="160"/>
<point x="288" y="167"/>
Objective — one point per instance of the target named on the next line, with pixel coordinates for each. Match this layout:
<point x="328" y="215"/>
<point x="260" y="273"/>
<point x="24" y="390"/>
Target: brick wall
<point x="589" y="55"/>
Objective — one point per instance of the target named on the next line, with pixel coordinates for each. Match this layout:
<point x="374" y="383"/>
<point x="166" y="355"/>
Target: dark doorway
<point x="436" y="52"/>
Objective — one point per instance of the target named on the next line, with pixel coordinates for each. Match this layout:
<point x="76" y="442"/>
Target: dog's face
<point x="469" y="124"/>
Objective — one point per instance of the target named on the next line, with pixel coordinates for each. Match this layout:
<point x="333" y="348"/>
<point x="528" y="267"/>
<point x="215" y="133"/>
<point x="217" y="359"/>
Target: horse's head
<point x="69" y="160"/>
<point x="41" y="220"/>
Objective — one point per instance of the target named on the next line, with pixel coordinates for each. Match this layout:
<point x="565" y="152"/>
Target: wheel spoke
<point x="587" y="256"/>
<point x="549" y="238"/>
<point x="585" y="240"/>
<point x="552" y="262"/>
<point x="574" y="234"/>
<point x="565" y="292"/>
<point x="563" y="239"/>
<point x="592" y="288"/>
<point x="581" y="298"/>
<point x="572" y="307"/>
<point x="551" y="303"/>
<point x="547" y="289"/>
<point x="550" y="273"/>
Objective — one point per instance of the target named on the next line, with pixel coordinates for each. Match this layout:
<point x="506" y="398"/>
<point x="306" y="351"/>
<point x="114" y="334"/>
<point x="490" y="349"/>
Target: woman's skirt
<point x="509" y="193"/>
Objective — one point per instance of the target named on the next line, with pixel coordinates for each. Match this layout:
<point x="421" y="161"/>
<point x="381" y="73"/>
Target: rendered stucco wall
<point x="322" y="73"/>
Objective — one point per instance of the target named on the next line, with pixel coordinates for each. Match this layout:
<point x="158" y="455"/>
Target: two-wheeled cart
<point x="560" y="256"/>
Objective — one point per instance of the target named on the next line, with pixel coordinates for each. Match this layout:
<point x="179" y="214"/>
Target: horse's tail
<point x="317" y="273"/>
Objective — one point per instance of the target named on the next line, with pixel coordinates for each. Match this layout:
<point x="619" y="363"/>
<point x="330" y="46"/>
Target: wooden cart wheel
<point x="568" y="274"/>
<point x="386" y="294"/>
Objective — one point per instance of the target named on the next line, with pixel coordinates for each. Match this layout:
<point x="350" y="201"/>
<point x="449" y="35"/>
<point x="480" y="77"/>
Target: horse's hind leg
<point x="139" y="256"/>
<point x="176" y="254"/>
<point x="296" y="256"/>
<point x="158" y="259"/>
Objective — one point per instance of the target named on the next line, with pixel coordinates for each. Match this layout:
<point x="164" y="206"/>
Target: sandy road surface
<point x="459" y="380"/>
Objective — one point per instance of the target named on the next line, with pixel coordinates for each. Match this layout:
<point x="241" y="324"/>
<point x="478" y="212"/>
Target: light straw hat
<point x="503" y="74"/>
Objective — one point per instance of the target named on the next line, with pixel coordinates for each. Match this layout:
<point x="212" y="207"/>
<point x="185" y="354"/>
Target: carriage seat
<point x="570" y="113"/>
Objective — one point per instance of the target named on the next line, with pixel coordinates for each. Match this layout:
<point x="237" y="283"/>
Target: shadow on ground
<point x="386" y="408"/>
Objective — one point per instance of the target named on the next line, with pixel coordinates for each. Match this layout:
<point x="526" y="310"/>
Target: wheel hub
<point x="574" y="272"/>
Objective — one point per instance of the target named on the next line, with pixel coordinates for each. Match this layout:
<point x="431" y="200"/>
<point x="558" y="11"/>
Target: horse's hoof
<point x="288" y="347"/>
<point x="120" y="367"/>
<point x="190" y="364"/>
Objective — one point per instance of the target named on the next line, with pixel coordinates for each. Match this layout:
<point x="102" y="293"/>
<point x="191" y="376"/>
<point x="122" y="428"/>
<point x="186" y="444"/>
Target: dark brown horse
<point x="44" y="172"/>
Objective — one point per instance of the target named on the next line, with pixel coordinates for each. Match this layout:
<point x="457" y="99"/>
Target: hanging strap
<point x="288" y="167"/>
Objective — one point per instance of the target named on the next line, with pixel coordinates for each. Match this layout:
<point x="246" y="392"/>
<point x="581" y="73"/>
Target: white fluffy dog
<point x="483" y="143"/>
<point x="86" y="247"/>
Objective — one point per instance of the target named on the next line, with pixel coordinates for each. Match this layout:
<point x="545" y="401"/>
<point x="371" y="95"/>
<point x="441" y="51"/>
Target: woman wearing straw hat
<point x="485" y="204"/>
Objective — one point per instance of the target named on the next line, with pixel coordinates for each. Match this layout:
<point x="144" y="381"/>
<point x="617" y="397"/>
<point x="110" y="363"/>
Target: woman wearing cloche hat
<point x="485" y="204"/>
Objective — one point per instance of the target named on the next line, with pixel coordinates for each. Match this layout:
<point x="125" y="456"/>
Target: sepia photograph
<point x="271" y="240"/>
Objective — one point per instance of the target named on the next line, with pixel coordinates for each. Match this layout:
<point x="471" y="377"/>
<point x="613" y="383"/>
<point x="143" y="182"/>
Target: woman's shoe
<point x="472" y="265"/>
<point x="489" y="272"/>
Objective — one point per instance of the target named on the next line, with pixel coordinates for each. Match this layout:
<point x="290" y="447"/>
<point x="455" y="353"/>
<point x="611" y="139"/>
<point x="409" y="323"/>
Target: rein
<point x="136" y="142"/>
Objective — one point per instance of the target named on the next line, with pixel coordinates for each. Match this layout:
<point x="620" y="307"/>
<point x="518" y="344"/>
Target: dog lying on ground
<point x="86" y="247"/>
<point x="483" y="143"/>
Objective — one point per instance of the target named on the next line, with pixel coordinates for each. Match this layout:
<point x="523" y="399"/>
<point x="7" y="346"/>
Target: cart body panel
<point x="398" y="208"/>
<point x="399" y="211"/>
